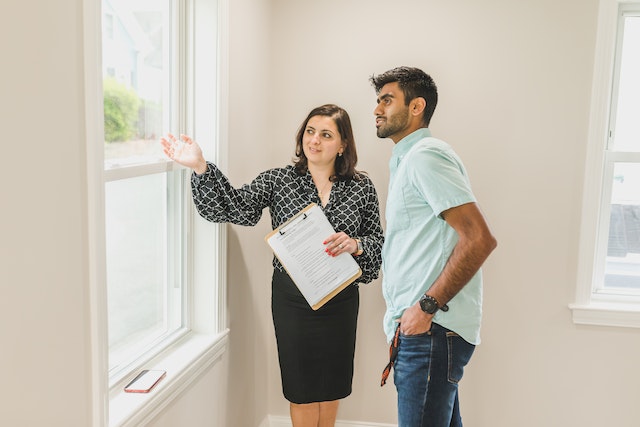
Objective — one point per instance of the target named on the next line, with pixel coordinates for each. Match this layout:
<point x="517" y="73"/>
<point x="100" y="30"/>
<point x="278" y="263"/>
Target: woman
<point x="315" y="348"/>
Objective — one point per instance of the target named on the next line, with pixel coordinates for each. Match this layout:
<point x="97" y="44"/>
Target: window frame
<point x="206" y="113"/>
<point x="591" y="305"/>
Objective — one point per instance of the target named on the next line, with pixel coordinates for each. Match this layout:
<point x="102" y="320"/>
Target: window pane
<point x="136" y="237"/>
<point x="627" y="126"/>
<point x="143" y="235"/>
<point x="622" y="268"/>
<point x="135" y="60"/>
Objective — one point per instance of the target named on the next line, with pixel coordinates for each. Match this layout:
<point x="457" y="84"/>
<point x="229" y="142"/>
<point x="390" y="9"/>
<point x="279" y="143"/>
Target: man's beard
<point x="393" y="124"/>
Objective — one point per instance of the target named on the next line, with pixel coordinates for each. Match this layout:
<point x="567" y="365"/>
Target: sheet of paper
<point x="298" y="244"/>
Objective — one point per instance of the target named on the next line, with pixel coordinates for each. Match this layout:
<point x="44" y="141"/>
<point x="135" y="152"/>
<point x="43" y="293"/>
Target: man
<point x="436" y="241"/>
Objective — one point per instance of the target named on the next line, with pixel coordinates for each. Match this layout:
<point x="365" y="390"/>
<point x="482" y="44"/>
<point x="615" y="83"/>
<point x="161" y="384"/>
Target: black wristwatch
<point x="429" y="304"/>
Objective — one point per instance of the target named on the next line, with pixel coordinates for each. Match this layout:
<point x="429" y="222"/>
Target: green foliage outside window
<point x="121" y="106"/>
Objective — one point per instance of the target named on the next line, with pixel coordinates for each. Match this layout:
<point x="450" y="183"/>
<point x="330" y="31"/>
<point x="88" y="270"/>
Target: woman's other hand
<point x="339" y="243"/>
<point x="184" y="151"/>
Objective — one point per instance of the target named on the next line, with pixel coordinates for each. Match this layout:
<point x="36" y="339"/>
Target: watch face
<point x="428" y="304"/>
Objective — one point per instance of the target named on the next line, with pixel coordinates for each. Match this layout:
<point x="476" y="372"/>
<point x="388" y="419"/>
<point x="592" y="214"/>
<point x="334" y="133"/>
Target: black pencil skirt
<point x="315" y="348"/>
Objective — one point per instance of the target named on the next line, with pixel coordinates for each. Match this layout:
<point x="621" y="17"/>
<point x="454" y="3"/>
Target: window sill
<point x="607" y="314"/>
<point x="184" y="364"/>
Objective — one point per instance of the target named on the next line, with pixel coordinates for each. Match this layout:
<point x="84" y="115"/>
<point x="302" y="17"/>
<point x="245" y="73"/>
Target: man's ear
<point x="417" y="106"/>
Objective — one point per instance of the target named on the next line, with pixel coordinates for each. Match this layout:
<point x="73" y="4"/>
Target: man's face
<point x="392" y="115"/>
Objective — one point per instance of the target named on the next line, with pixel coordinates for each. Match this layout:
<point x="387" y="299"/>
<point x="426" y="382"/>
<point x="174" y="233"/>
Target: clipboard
<point x="298" y="246"/>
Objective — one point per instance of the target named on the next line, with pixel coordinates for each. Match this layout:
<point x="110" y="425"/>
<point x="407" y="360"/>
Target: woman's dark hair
<point x="414" y="83"/>
<point x="345" y="165"/>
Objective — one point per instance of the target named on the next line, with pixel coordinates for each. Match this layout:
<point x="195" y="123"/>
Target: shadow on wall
<point x="245" y="339"/>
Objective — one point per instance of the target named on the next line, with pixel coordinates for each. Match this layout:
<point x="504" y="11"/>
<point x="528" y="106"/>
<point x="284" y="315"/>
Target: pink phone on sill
<point x="145" y="381"/>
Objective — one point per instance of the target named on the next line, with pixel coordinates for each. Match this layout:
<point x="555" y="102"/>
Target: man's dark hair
<point x="414" y="83"/>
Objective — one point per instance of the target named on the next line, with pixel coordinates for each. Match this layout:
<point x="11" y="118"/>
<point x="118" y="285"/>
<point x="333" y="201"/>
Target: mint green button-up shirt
<point x="426" y="178"/>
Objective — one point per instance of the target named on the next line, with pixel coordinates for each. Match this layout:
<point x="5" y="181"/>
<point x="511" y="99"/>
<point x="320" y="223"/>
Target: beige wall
<point x="250" y="146"/>
<point x="44" y="354"/>
<point x="515" y="83"/>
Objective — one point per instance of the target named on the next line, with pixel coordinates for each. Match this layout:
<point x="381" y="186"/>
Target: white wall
<point x="515" y="82"/>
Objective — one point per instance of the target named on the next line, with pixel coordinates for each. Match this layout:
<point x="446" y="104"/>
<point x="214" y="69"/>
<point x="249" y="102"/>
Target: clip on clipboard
<point x="300" y="217"/>
<point x="298" y="245"/>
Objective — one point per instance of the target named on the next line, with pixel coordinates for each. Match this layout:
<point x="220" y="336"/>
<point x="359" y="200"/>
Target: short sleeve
<point x="440" y="177"/>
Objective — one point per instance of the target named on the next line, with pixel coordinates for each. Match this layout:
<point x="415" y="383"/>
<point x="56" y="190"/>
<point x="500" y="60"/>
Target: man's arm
<point x="475" y="243"/>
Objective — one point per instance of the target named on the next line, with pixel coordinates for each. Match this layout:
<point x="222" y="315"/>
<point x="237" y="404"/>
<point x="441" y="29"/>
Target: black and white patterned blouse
<point x="352" y="206"/>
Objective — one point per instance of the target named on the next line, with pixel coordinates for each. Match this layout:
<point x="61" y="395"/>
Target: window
<point x="622" y="164"/>
<point x="157" y="277"/>
<point x="609" y="281"/>
<point x="144" y="201"/>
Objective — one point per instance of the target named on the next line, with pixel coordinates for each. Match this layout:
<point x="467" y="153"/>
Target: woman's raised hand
<point x="184" y="151"/>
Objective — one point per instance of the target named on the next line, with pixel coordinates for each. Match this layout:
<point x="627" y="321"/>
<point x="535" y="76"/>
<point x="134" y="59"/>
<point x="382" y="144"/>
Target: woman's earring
<point x="339" y="154"/>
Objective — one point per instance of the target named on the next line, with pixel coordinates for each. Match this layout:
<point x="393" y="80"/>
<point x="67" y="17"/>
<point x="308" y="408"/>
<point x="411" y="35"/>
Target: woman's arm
<point x="371" y="236"/>
<point x="215" y="198"/>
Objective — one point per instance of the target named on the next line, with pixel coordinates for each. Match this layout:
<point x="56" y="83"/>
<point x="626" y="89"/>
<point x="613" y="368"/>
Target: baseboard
<point x="273" y="421"/>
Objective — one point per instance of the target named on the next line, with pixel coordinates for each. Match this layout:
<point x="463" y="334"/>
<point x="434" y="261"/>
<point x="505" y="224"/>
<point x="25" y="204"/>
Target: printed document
<point x="298" y="244"/>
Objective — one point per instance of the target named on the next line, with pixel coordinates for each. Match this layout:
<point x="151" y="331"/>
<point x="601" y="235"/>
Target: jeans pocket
<point x="420" y="335"/>
<point x="459" y="353"/>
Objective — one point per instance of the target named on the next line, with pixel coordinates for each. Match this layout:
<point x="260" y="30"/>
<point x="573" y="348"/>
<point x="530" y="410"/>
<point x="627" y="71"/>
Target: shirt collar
<point x="404" y="145"/>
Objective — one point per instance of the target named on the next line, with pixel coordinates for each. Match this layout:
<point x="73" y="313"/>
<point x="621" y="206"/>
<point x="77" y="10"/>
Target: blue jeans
<point x="426" y="374"/>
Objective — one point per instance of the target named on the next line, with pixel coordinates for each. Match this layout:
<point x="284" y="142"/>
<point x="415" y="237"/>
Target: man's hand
<point x="414" y="321"/>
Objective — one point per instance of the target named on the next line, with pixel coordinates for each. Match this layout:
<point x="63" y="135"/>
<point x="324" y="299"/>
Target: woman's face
<point x="321" y="141"/>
